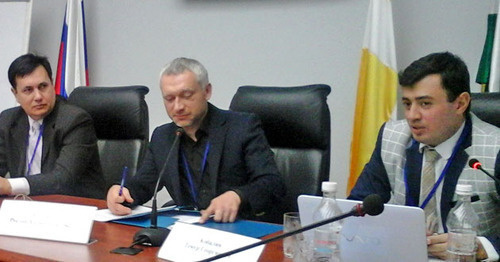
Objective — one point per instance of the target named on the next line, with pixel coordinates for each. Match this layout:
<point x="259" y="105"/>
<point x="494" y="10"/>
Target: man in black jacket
<point x="223" y="164"/>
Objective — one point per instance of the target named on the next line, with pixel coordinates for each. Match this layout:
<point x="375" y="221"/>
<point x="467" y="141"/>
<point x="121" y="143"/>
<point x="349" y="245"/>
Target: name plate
<point x="45" y="220"/>
<point x="187" y="242"/>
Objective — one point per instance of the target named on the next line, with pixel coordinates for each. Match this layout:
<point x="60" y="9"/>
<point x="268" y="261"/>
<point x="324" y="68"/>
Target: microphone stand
<point x="475" y="164"/>
<point x="372" y="205"/>
<point x="488" y="174"/>
<point x="358" y="210"/>
<point x="154" y="235"/>
<point x="291" y="233"/>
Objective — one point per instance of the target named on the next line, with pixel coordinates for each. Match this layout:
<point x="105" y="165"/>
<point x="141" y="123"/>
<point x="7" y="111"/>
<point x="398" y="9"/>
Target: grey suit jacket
<point x="70" y="159"/>
<point x="395" y="151"/>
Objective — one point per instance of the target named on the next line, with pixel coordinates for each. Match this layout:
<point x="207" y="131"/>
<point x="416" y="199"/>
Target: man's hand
<point x="436" y="245"/>
<point x="224" y="208"/>
<point x="5" y="188"/>
<point x="481" y="252"/>
<point x="114" y="200"/>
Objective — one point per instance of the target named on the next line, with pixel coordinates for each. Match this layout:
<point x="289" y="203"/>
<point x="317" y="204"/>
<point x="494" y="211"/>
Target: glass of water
<point x="291" y="222"/>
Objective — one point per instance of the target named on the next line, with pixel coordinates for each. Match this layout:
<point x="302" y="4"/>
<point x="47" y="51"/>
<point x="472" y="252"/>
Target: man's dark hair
<point x="25" y="65"/>
<point x="453" y="71"/>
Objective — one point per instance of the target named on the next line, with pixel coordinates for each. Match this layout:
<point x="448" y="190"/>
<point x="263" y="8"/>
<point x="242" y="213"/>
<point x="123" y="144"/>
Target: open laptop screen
<point x="398" y="234"/>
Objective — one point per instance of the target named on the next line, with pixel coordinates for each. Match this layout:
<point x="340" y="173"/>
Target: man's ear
<point x="14" y="92"/>
<point x="208" y="91"/>
<point x="462" y="102"/>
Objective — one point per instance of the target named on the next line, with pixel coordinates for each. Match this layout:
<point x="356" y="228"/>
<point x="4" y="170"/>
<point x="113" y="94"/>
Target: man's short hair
<point x="25" y="65"/>
<point x="452" y="69"/>
<point x="181" y="64"/>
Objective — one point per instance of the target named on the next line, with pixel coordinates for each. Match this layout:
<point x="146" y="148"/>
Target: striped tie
<point x="426" y="185"/>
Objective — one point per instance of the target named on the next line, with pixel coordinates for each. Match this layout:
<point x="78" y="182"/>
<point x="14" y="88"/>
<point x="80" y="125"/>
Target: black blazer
<point x="70" y="158"/>
<point x="240" y="158"/>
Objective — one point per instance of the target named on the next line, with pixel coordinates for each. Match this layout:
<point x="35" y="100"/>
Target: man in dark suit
<point x="223" y="165"/>
<point x="46" y="145"/>
<point x="436" y="101"/>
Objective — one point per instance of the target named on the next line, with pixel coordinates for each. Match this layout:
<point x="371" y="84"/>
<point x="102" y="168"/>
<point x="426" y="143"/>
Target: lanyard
<point x="194" y="194"/>
<point x="34" y="151"/>
<point x="441" y="177"/>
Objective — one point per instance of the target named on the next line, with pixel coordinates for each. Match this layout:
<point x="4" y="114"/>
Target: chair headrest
<point x="296" y="117"/>
<point x="118" y="112"/>
<point x="487" y="107"/>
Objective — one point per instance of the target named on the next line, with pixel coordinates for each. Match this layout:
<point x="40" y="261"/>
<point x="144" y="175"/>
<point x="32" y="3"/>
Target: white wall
<point x="270" y="42"/>
<point x="15" y="20"/>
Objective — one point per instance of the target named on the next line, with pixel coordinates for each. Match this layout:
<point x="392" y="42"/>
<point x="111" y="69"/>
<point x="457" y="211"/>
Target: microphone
<point x="154" y="235"/>
<point x="475" y="164"/>
<point x="372" y="205"/>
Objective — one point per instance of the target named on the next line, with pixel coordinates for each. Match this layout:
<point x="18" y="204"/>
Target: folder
<point x="167" y="218"/>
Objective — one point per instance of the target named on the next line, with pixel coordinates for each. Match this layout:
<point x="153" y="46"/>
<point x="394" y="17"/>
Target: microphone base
<point x="152" y="236"/>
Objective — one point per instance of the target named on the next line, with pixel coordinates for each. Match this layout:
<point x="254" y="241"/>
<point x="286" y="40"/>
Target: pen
<point x="124" y="175"/>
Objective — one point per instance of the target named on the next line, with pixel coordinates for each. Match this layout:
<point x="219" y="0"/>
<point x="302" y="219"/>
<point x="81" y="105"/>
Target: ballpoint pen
<point x="124" y="176"/>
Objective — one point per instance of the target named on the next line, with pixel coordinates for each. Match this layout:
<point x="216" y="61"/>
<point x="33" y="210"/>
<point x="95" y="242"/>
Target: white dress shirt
<point x="20" y="185"/>
<point x="445" y="150"/>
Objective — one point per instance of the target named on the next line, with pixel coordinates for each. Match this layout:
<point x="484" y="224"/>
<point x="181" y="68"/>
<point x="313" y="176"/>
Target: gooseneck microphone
<point x="372" y="205"/>
<point x="154" y="235"/>
<point x="475" y="164"/>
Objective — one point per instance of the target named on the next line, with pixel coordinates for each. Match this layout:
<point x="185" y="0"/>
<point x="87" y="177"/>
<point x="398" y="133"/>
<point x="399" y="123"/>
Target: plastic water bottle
<point x="327" y="237"/>
<point x="462" y="223"/>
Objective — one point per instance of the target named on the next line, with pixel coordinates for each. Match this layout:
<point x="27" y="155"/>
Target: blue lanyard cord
<point x="34" y="151"/>
<point x="441" y="177"/>
<point x="194" y="193"/>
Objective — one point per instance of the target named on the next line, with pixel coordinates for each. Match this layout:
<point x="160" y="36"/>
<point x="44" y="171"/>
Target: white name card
<point x="187" y="242"/>
<point x="45" y="220"/>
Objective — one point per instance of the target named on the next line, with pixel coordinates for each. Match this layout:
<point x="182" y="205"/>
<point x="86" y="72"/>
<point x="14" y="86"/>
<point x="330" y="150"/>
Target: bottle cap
<point x="328" y="186"/>
<point x="463" y="189"/>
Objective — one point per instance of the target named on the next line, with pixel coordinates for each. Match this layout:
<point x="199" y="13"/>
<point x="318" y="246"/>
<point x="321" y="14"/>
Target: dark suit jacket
<point x="240" y="158"/>
<point x="70" y="159"/>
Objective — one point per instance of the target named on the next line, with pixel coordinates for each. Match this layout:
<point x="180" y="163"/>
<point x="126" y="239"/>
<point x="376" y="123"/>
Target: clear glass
<point x="303" y="249"/>
<point x="291" y="222"/>
<point x="462" y="223"/>
<point x="327" y="237"/>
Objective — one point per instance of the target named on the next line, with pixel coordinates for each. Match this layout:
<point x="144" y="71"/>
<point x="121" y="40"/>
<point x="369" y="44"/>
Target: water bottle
<point x="327" y="237"/>
<point x="462" y="226"/>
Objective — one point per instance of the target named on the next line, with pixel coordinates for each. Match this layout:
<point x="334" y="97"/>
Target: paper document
<point x="104" y="215"/>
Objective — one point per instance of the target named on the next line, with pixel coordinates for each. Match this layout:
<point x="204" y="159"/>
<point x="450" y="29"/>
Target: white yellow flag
<point x="377" y="85"/>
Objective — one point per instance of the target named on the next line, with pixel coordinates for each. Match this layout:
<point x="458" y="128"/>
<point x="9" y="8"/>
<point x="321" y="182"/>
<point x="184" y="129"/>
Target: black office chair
<point x="121" y="121"/>
<point x="486" y="106"/>
<point x="296" y="121"/>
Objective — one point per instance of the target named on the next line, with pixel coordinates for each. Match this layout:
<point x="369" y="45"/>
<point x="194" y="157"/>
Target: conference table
<point x="105" y="237"/>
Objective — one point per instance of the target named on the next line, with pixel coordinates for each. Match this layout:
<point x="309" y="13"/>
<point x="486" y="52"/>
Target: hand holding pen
<point x="124" y="177"/>
<point x="116" y="203"/>
<point x="122" y="184"/>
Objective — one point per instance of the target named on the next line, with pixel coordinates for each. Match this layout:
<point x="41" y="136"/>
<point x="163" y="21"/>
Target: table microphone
<point x="372" y="205"/>
<point x="475" y="164"/>
<point x="154" y="235"/>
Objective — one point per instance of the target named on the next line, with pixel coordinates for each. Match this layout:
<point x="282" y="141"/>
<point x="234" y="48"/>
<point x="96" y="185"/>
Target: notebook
<point x="398" y="234"/>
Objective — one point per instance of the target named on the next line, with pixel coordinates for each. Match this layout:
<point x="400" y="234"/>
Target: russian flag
<point x="72" y="66"/>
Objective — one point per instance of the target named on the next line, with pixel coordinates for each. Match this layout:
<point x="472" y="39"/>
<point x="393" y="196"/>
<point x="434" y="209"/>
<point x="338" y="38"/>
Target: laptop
<point x="398" y="234"/>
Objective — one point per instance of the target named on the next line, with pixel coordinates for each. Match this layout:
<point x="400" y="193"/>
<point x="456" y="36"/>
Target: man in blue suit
<point x="436" y="100"/>
<point x="223" y="165"/>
